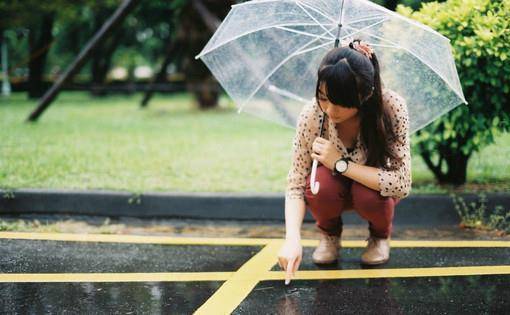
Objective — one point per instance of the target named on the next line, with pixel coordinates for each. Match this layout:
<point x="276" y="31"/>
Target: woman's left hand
<point x="325" y="152"/>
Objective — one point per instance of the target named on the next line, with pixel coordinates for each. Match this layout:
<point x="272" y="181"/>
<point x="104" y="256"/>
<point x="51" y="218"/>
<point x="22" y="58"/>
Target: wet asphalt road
<point x="181" y="277"/>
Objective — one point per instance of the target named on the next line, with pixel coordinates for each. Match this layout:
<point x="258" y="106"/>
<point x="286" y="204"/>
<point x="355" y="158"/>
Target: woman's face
<point x="336" y="113"/>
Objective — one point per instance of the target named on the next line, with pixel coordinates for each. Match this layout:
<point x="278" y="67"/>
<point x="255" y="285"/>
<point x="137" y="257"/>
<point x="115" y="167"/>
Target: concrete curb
<point x="421" y="209"/>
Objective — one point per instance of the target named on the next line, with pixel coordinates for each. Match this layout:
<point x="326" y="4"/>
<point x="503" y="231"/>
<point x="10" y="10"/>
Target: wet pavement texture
<point x="363" y="294"/>
<point x="48" y="256"/>
<point x="205" y="269"/>
<point x="485" y="294"/>
<point x="105" y="298"/>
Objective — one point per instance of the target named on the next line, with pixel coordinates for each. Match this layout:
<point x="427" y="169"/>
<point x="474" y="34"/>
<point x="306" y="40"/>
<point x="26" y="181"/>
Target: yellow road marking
<point x="175" y="240"/>
<point x="115" y="277"/>
<point x="419" y="243"/>
<point x="262" y="276"/>
<point x="226" y="299"/>
<point x="390" y="273"/>
<point x="240" y="283"/>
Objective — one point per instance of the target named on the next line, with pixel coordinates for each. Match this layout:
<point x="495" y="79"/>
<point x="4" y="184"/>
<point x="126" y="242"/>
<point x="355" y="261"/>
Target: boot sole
<point x="372" y="263"/>
<point x="325" y="262"/>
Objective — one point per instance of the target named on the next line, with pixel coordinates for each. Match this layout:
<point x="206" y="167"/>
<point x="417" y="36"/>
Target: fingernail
<point x="287" y="281"/>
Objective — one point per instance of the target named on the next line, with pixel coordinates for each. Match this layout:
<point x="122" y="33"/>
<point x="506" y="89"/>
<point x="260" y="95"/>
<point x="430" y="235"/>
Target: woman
<point x="364" y="160"/>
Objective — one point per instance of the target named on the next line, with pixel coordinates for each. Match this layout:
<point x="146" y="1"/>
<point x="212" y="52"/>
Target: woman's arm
<point x="326" y="153"/>
<point x="366" y="175"/>
<point x="396" y="182"/>
<point x="294" y="214"/>
<point x="300" y="168"/>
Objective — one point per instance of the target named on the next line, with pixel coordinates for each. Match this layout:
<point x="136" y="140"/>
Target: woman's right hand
<point x="289" y="257"/>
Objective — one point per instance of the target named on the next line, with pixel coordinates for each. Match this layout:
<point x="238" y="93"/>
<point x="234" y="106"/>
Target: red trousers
<point x="340" y="193"/>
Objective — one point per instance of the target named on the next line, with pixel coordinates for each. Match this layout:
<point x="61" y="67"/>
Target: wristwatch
<point x="341" y="165"/>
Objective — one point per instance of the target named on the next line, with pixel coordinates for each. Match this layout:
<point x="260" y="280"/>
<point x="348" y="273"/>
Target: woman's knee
<point x="330" y="188"/>
<point x="364" y="197"/>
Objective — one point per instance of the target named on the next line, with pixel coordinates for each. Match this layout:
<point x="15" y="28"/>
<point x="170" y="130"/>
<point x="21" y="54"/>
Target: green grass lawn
<point x="82" y="142"/>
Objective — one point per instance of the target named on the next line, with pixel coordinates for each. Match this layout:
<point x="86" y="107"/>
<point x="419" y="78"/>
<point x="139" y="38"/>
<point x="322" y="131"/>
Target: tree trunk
<point x="118" y="16"/>
<point x="456" y="162"/>
<point x="457" y="168"/>
<point x="171" y="51"/>
<point x="199" y="17"/>
<point x="39" y="38"/>
<point x="205" y="91"/>
<point x="102" y="59"/>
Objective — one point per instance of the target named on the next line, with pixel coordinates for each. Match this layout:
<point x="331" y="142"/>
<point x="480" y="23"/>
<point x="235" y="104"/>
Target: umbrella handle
<point x="314" y="186"/>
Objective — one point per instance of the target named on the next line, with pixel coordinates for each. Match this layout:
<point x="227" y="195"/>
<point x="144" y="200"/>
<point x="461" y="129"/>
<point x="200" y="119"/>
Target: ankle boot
<point x="327" y="250"/>
<point x="377" y="251"/>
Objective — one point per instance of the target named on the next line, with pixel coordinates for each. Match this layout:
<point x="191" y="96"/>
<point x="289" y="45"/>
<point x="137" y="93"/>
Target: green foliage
<point x="135" y="198"/>
<point x="8" y="194"/>
<point x="141" y="38"/>
<point x="480" y="39"/>
<point x="171" y="146"/>
<point x="477" y="215"/>
<point x="18" y="225"/>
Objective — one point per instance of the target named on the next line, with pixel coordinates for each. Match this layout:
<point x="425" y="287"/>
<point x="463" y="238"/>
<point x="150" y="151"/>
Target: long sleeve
<point x="301" y="154"/>
<point x="397" y="182"/>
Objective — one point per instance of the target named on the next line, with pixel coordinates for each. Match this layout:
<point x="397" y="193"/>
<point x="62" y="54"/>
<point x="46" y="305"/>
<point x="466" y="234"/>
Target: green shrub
<point x="480" y="38"/>
<point x="477" y="215"/>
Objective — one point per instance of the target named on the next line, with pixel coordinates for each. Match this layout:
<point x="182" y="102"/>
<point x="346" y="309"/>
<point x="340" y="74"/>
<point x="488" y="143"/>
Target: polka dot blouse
<point x="393" y="181"/>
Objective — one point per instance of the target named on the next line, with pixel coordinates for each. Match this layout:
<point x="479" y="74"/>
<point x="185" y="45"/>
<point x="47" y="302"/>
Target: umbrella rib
<point x="362" y="29"/>
<point x="369" y="3"/>
<point x="303" y="33"/>
<point x="286" y="93"/>
<point x="253" y="31"/>
<point x="300" y="52"/>
<point x="382" y="45"/>
<point x="417" y="57"/>
<point x="315" y="9"/>
<point x="318" y="23"/>
<point x="273" y="71"/>
<point x="406" y="19"/>
<point x="255" y="2"/>
<point x="364" y="19"/>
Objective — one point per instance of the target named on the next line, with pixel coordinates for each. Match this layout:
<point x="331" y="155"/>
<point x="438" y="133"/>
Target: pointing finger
<point x="288" y="274"/>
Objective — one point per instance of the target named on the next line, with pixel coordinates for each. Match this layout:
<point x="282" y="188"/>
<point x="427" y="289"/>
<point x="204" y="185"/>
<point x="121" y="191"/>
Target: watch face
<point x="341" y="166"/>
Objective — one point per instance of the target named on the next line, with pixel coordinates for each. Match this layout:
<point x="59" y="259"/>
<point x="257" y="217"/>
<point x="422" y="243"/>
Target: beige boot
<point x="377" y="251"/>
<point x="327" y="250"/>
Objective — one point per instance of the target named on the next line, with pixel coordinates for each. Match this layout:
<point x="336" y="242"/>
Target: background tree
<point x="480" y="36"/>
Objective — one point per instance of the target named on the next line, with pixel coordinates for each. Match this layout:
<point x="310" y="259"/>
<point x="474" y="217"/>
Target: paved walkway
<point x="99" y="273"/>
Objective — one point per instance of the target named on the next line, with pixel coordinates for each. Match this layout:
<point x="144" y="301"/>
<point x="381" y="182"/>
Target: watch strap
<point x="334" y="172"/>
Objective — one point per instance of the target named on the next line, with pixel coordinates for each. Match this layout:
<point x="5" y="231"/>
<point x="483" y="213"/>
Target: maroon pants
<point x="341" y="193"/>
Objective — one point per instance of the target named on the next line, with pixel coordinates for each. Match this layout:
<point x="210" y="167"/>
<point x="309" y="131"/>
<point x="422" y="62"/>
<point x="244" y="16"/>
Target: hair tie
<point x="362" y="47"/>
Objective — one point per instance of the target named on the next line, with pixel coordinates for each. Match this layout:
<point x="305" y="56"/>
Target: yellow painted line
<point x="115" y="277"/>
<point x="234" y="290"/>
<point x="266" y="275"/>
<point x="390" y="273"/>
<point x="176" y="240"/>
<point x="418" y="243"/>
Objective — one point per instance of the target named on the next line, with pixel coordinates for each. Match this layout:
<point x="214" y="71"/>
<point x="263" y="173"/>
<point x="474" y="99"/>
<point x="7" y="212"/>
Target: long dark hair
<point x="353" y="81"/>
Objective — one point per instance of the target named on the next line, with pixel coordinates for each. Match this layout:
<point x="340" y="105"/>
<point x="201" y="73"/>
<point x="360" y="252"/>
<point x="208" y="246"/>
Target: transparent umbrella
<point x="266" y="53"/>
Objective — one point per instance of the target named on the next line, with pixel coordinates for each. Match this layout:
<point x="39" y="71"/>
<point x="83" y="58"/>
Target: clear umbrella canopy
<point x="266" y="54"/>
